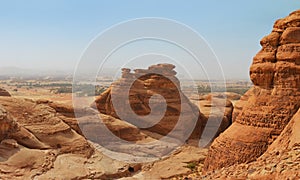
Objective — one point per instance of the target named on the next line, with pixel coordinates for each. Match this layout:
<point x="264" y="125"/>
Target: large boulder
<point x="265" y="110"/>
<point x="139" y="94"/>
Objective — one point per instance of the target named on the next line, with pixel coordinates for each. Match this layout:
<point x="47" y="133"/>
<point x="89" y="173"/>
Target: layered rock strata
<point x="280" y="161"/>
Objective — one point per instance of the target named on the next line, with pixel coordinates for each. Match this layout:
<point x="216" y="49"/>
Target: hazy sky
<point x="53" y="34"/>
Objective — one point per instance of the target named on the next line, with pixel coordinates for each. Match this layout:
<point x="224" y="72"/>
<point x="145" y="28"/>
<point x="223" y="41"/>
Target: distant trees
<point x="204" y="89"/>
<point x="80" y="90"/>
<point x="88" y="89"/>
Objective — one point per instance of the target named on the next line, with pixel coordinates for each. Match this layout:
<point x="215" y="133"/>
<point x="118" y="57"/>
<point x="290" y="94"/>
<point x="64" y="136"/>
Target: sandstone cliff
<point x="280" y="161"/>
<point x="265" y="110"/>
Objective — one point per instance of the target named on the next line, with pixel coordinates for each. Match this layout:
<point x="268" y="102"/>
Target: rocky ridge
<point x="41" y="139"/>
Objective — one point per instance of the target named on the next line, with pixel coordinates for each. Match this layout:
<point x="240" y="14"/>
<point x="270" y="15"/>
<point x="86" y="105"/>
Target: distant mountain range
<point x="26" y="73"/>
<point x="16" y="71"/>
<point x="107" y="73"/>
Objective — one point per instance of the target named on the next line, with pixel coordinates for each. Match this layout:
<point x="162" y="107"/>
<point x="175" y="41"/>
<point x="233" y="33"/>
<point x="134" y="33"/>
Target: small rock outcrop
<point x="7" y="124"/>
<point x="3" y="92"/>
<point x="138" y="95"/>
<point x="265" y="110"/>
<point x="217" y="108"/>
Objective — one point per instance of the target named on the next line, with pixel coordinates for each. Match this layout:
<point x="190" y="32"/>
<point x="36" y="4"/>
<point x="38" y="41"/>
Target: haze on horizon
<point x="52" y="35"/>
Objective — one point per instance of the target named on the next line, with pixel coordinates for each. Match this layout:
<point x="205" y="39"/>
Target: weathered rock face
<point x="31" y="127"/>
<point x="142" y="88"/>
<point x="41" y="139"/>
<point x="264" y="111"/>
<point x="3" y="92"/>
<point x="280" y="161"/>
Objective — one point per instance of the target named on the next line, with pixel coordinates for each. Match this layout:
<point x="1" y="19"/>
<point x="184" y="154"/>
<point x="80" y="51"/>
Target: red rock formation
<point x="3" y="92"/>
<point x="280" y="161"/>
<point x="140" y="88"/>
<point x="264" y="111"/>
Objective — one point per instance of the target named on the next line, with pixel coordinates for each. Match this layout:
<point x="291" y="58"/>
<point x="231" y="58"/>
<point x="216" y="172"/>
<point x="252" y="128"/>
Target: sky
<point x="53" y="34"/>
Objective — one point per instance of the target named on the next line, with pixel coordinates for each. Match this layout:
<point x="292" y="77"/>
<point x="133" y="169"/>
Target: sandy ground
<point x="44" y="93"/>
